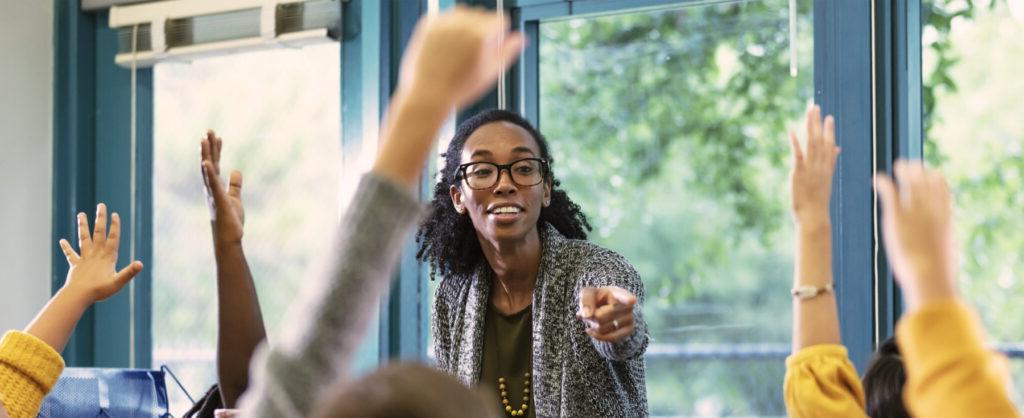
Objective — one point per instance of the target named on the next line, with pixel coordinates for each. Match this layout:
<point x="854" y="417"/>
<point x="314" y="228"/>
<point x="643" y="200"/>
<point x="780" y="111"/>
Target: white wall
<point x="26" y="158"/>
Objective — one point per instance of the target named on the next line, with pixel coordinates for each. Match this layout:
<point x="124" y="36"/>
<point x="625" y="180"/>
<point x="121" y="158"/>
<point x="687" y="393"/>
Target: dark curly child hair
<point x="447" y="239"/>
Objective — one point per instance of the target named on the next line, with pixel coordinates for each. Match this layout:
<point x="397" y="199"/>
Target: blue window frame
<point x="898" y="121"/>
<point x="91" y="152"/>
<point x="853" y="40"/>
<point x="92" y="146"/>
<point x="843" y="60"/>
<point x="375" y="35"/>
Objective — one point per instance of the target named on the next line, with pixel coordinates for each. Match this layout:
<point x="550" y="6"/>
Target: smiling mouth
<point x="505" y="210"/>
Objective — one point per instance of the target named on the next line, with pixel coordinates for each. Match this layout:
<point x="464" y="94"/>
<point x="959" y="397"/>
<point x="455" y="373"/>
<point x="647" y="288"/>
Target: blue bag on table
<point x="118" y="393"/>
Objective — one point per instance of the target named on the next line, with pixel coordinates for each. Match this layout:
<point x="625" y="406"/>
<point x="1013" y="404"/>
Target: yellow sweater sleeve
<point x="28" y="370"/>
<point x="821" y="382"/>
<point x="950" y="373"/>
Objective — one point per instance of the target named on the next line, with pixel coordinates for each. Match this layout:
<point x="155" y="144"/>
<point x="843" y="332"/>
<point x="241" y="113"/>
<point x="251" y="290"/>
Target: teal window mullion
<point x="91" y="165"/>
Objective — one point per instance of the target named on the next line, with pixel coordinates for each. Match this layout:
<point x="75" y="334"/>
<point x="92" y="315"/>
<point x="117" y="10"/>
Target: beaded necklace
<point x="503" y="388"/>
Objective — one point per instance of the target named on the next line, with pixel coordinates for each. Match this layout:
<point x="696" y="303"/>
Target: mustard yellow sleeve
<point x="821" y="382"/>
<point x="950" y="373"/>
<point x="28" y="370"/>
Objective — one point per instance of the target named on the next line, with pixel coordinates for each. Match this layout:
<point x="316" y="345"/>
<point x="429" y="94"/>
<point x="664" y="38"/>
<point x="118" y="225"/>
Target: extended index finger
<point x="588" y="298"/>
<point x="620" y="296"/>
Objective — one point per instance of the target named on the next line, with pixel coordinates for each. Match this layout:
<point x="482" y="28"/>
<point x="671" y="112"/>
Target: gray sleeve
<point x="328" y="320"/>
<point x="439" y="329"/>
<point x="611" y="269"/>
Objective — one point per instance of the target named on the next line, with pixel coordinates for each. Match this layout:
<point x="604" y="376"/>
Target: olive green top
<point x="508" y="346"/>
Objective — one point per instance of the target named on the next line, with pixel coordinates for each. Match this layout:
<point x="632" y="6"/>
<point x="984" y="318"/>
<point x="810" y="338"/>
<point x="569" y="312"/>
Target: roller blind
<point x="154" y="31"/>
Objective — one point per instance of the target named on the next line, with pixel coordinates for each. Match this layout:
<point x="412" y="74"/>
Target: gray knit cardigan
<point x="574" y="375"/>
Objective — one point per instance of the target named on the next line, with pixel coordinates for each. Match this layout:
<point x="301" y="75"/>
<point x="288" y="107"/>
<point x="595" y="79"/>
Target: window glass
<point x="278" y="112"/>
<point x="971" y="57"/>
<point x="669" y="128"/>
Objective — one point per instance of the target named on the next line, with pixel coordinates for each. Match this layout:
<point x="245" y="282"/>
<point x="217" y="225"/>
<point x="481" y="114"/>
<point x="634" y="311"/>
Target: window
<point x="724" y="68"/>
<point x="972" y="58"/>
<point x="279" y="114"/>
<point x="669" y="129"/>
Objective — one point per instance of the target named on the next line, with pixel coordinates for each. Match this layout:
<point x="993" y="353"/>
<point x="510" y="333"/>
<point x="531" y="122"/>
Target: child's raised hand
<point x="811" y="177"/>
<point x="92" y="272"/>
<point x="917" y="222"/>
<point x="457" y="55"/>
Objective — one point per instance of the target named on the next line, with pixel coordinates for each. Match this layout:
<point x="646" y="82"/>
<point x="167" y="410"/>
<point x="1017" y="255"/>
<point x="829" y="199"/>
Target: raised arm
<point x="820" y="381"/>
<point x="815" y="318"/>
<point x="240" y="326"/>
<point x="950" y="372"/>
<point x="29" y="361"/>
<point x="451" y="59"/>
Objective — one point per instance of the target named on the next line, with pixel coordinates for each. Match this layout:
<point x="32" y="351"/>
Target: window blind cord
<point x="792" y="39"/>
<point x="502" y="99"/>
<point x="876" y="244"/>
<point x="133" y="199"/>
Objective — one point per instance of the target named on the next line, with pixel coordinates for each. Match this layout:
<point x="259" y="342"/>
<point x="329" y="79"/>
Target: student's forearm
<point x="815" y="320"/>
<point x="55" y="323"/>
<point x="411" y="123"/>
<point x="240" y="326"/>
<point x="332" y="318"/>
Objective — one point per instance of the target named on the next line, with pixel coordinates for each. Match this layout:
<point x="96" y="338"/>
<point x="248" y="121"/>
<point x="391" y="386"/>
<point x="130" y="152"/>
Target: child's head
<point x="404" y="390"/>
<point x="883" y="383"/>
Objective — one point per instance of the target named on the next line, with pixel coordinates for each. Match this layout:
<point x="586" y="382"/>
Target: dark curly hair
<point x="447" y="239"/>
<point x="883" y="383"/>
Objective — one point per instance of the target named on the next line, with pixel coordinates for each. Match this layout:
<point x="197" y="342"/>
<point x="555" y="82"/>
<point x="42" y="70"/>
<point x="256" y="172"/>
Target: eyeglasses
<point x="483" y="175"/>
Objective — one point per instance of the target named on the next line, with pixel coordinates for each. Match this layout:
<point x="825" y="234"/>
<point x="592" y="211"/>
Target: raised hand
<point x="92" y="272"/>
<point x="815" y="320"/>
<point x="451" y="60"/>
<point x="917" y="223"/>
<point x="227" y="214"/>
<point x="608" y="312"/>
<point x="811" y="177"/>
<point x="456" y="56"/>
<point x="239" y="319"/>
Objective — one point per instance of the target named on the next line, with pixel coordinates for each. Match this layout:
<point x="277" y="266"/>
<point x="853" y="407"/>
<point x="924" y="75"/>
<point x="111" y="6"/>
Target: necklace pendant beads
<point x="524" y="406"/>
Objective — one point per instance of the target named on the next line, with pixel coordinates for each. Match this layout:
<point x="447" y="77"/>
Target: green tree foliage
<point x="975" y="133"/>
<point x="669" y="128"/>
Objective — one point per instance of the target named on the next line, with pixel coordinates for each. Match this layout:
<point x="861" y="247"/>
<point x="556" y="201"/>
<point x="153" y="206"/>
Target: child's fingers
<point x="798" y="154"/>
<point x="69" y="252"/>
<point x="886" y="194"/>
<point x="114" y="238"/>
<point x="127" y="274"/>
<point x="84" y="239"/>
<point x="99" y="233"/>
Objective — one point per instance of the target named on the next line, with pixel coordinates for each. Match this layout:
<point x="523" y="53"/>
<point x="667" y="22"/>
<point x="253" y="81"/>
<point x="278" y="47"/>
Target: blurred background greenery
<point x="279" y="114"/>
<point x="668" y="127"/>
<point x="974" y="131"/>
